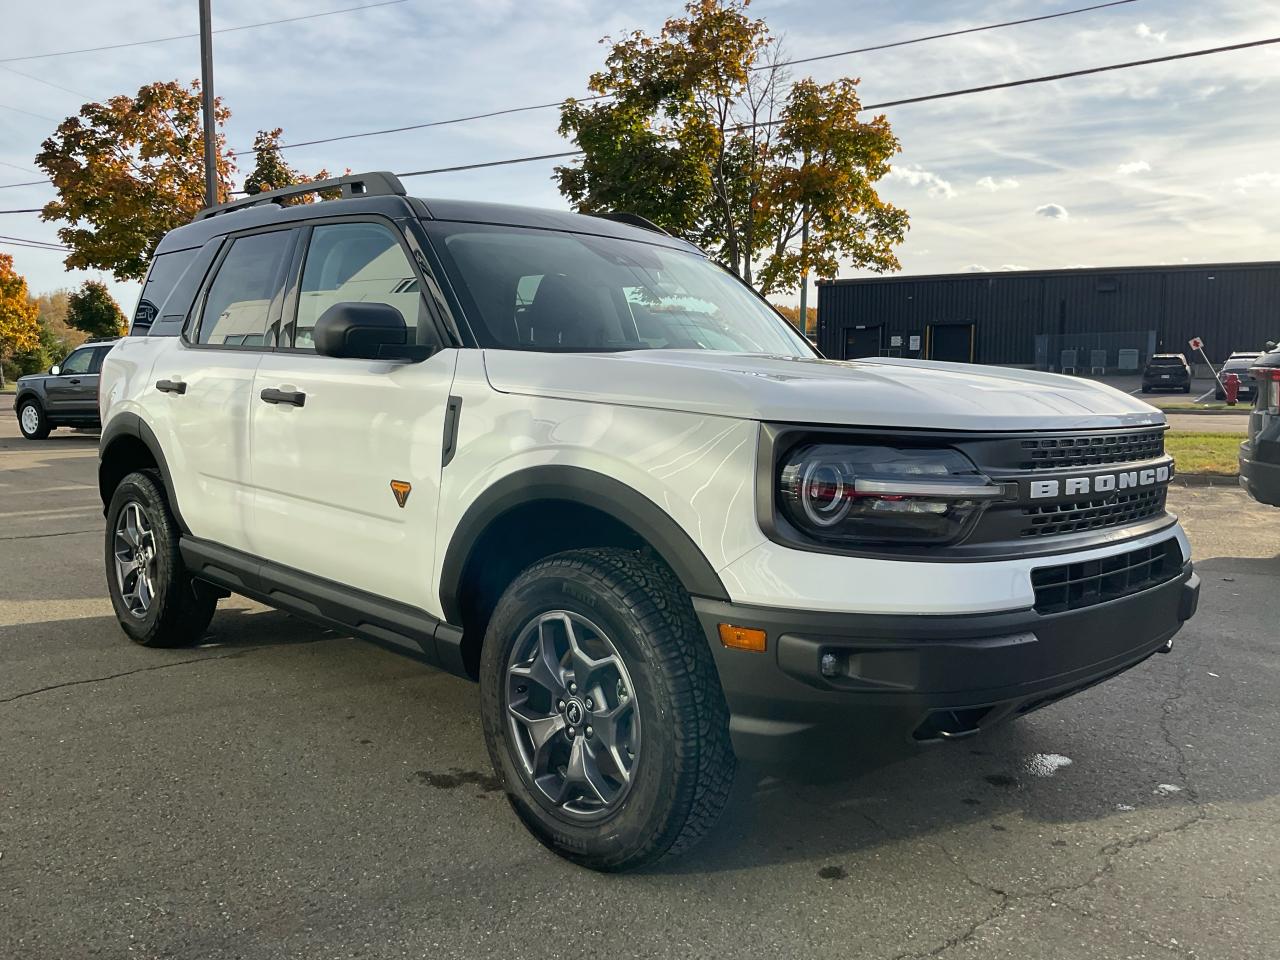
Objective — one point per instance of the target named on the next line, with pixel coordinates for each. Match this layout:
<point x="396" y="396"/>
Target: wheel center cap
<point x="574" y="712"/>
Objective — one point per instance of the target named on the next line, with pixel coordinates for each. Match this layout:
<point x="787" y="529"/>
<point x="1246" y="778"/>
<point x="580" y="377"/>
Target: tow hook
<point x="1168" y="646"/>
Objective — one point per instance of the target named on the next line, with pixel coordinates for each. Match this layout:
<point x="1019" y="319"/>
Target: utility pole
<point x="206" y="89"/>
<point x="804" y="275"/>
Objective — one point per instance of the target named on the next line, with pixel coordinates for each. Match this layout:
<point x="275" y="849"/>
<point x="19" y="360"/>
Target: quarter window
<point x="354" y="263"/>
<point x="239" y="299"/>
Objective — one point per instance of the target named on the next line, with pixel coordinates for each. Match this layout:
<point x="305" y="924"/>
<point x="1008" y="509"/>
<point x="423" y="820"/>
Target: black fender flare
<point x="29" y="394"/>
<point x="578" y="485"/>
<point x="131" y="425"/>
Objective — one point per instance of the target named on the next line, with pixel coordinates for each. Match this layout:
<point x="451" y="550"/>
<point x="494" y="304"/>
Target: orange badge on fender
<point x="401" y="489"/>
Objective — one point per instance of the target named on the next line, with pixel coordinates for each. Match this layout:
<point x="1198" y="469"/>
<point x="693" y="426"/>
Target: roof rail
<point x="378" y="183"/>
<point x="634" y="219"/>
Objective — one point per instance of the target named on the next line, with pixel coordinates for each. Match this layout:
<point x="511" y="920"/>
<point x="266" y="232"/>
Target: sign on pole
<point x="1197" y="344"/>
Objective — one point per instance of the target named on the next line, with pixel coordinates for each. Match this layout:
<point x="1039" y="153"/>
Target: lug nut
<point x="573" y="687"/>
<point x="571" y="733"/>
<point x="560" y="705"/>
<point x="590" y="704"/>
<point x="590" y="731"/>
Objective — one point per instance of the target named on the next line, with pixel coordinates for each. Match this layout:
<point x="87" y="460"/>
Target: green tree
<point x="127" y="171"/>
<point x="19" y="329"/>
<point x="270" y="172"/>
<point x="701" y="131"/>
<point x="93" y="310"/>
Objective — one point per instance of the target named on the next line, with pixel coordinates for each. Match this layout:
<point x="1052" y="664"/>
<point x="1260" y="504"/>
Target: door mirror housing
<point x="366" y="331"/>
<point x="55" y="370"/>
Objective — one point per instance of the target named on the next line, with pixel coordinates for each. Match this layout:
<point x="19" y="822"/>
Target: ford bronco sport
<point x="572" y="458"/>
<point x="66" y="396"/>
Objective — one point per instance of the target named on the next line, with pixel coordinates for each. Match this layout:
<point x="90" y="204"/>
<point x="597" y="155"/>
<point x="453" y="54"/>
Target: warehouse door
<point x="951" y="341"/>
<point x="862" y="342"/>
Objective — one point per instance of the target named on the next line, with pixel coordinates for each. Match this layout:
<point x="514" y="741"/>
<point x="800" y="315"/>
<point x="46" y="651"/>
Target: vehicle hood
<point x="885" y="392"/>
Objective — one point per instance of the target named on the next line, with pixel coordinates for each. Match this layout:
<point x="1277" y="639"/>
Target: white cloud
<point x="1054" y="211"/>
<point x="1264" y="179"/>
<point x="1146" y="33"/>
<point x="1137" y="166"/>
<point x="917" y="176"/>
<point x="993" y="184"/>
<point x="982" y="268"/>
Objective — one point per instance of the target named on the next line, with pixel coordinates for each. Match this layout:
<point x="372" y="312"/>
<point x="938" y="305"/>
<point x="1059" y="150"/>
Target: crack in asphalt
<point x="117" y="676"/>
<point x="63" y="533"/>
<point x="1109" y="852"/>
<point x="1166" y="731"/>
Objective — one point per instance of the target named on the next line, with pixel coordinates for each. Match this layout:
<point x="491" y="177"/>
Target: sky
<point x="1171" y="163"/>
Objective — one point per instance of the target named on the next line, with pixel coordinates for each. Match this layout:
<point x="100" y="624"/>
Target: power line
<point x="38" y="116"/>
<point x="35" y="243"/>
<point x="922" y="99"/>
<point x="47" y="83"/>
<point x="188" y="36"/>
<point x="940" y="36"/>
<point x="606" y="96"/>
<point x="24" y="210"/>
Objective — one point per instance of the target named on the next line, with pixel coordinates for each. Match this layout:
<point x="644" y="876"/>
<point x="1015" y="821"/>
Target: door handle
<point x="75" y="379"/>
<point x="293" y="397"/>
<point x="171" y="386"/>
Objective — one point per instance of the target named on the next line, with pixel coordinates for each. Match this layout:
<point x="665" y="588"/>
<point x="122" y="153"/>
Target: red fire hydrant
<point x="1231" y="387"/>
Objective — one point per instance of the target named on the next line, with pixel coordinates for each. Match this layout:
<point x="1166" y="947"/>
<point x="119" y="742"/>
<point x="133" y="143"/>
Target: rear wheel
<point x="602" y="709"/>
<point x="32" y="420"/>
<point x="157" y="603"/>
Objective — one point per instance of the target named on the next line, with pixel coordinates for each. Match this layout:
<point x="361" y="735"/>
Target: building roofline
<point x="1060" y="272"/>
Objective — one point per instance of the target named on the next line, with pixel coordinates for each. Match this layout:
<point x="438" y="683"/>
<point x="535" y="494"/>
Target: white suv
<point x="570" y="457"/>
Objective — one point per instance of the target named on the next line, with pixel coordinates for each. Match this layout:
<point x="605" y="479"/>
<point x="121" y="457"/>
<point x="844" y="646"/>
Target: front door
<point x="951" y="341"/>
<point x="74" y="391"/>
<point x="346" y="473"/>
<point x="862" y="342"/>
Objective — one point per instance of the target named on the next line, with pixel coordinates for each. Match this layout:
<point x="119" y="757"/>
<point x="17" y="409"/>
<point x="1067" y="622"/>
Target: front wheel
<point x="157" y="603"/>
<point x="602" y="709"/>
<point x="32" y="420"/>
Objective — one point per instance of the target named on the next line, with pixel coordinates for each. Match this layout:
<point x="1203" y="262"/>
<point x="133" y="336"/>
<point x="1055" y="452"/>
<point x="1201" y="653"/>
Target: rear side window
<point x="166" y="270"/>
<point x="354" y="263"/>
<point x="237" y="305"/>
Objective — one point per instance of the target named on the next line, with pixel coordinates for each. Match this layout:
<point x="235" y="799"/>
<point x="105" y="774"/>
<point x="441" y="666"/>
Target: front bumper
<point x="906" y="680"/>
<point x="1260" y="478"/>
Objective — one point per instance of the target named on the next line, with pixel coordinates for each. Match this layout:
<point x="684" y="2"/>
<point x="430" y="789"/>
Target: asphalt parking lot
<point x="283" y="791"/>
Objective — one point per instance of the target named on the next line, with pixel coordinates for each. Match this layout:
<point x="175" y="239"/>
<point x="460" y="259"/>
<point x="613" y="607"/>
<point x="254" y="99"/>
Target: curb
<point x="1207" y="479"/>
<point x="1228" y="412"/>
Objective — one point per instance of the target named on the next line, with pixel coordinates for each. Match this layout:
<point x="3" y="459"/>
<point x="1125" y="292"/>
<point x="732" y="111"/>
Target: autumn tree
<point x="93" y="310"/>
<point x="19" y="330"/>
<point x="128" y="171"/>
<point x="700" y="130"/>
<point x="270" y="172"/>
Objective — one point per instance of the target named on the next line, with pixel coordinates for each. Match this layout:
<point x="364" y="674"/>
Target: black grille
<point x="1070" y="586"/>
<point x="1054" y="453"/>
<point x="1108" y="511"/>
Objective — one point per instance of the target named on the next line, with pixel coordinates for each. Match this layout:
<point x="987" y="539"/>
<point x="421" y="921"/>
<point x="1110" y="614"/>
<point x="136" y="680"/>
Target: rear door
<point x="74" y="391"/>
<point x="347" y="475"/>
<point x="199" y="400"/>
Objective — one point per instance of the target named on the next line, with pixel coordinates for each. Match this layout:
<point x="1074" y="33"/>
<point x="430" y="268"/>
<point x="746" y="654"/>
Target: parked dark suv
<point x="1260" y="453"/>
<point x="1166" y="371"/>
<point x="66" y="396"/>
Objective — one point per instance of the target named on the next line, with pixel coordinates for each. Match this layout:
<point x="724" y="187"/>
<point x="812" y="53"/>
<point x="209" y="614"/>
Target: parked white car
<point x="572" y="458"/>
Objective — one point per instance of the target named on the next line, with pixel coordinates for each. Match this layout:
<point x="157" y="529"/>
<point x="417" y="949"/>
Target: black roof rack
<point x="378" y="183"/>
<point x="634" y="219"/>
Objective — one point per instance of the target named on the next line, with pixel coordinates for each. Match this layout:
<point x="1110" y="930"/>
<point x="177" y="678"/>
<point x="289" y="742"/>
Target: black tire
<point x="1146" y="389"/>
<point x="180" y="607"/>
<point x="1187" y="388"/>
<point x="42" y="426"/>
<point x="683" y="768"/>
<point x="1219" y="395"/>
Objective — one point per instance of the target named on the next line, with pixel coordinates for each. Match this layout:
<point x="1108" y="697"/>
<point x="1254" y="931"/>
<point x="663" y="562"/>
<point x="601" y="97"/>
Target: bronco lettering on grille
<point x="1101" y="483"/>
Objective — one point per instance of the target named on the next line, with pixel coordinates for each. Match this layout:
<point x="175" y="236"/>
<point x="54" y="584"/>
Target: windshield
<point x="530" y="289"/>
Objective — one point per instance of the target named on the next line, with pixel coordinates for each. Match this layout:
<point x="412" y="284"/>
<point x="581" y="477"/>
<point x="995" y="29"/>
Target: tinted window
<point x="239" y="299"/>
<point x="546" y="290"/>
<point x="354" y="263"/>
<point x="163" y="276"/>
<point x="78" y="362"/>
<point x="1166" y="362"/>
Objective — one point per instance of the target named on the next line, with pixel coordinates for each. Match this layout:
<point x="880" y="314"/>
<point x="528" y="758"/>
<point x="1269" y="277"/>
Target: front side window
<point x="239" y="299"/>
<point x="354" y="263"/>
<point x="532" y="289"/>
<point x="78" y="362"/>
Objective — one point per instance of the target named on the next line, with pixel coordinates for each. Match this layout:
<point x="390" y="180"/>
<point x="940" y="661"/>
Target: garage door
<point x="861" y="342"/>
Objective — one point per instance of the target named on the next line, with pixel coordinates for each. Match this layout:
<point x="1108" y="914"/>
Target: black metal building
<point x="1093" y="317"/>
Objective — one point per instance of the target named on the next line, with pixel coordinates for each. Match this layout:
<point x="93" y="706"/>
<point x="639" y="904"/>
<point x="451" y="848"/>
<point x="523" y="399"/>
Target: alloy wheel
<point x="572" y="714"/>
<point x="135" y="559"/>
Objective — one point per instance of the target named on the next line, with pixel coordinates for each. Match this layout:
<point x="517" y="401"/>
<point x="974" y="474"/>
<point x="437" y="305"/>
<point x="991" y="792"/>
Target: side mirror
<point x="55" y="370"/>
<point x="365" y="331"/>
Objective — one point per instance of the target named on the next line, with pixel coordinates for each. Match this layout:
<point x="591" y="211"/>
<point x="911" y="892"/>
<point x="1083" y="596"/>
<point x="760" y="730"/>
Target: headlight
<point x="846" y="493"/>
